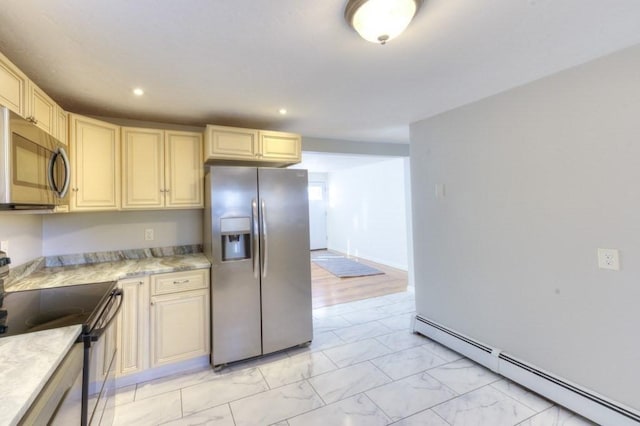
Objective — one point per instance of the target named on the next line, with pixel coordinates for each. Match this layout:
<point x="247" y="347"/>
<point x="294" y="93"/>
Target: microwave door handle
<point x="67" y="172"/>
<point x="52" y="179"/>
<point x="67" y="175"/>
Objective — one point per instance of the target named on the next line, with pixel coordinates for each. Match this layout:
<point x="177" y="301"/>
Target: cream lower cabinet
<point x="133" y="327"/>
<point x="164" y="320"/>
<point x="179" y="316"/>
<point x="161" y="169"/>
<point x="249" y="146"/>
<point x="95" y="164"/>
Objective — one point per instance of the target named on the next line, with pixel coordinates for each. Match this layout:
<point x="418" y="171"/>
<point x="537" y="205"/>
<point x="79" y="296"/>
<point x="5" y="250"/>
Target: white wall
<point x="24" y="234"/>
<point x="536" y="179"/>
<point x="89" y="232"/>
<point x="366" y="215"/>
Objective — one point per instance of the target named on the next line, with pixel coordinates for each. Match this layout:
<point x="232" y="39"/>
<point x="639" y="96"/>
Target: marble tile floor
<point x="364" y="367"/>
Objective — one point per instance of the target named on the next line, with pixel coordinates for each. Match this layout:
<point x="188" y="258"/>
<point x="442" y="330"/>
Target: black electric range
<point x="42" y="309"/>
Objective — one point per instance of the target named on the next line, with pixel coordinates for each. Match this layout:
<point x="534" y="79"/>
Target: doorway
<point x="317" y="215"/>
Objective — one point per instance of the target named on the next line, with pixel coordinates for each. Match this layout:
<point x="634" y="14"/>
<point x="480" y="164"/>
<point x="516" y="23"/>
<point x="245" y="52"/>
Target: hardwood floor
<point x="328" y="289"/>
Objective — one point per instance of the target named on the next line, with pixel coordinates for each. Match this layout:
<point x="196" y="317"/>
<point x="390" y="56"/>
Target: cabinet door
<point x="184" y="172"/>
<point x="280" y="147"/>
<point x="142" y="163"/>
<point x="41" y="109"/>
<point x="230" y="143"/>
<point x="95" y="164"/>
<point x="179" y="326"/>
<point x="133" y="326"/>
<point x="62" y="125"/>
<point x="13" y="86"/>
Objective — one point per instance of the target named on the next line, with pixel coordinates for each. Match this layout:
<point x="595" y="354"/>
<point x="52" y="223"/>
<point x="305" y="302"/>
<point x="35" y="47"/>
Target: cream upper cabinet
<point x="161" y="169"/>
<point x="143" y="171"/>
<point x="184" y="173"/>
<point x="179" y="316"/>
<point x="13" y="86"/>
<point x="62" y="125"/>
<point x="251" y="147"/>
<point x="41" y="109"/>
<point x="95" y="164"/>
<point x="231" y="143"/>
<point x="133" y="326"/>
<point x="279" y="146"/>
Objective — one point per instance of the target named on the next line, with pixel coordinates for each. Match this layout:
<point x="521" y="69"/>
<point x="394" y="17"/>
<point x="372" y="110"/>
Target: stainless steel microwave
<point x="34" y="167"/>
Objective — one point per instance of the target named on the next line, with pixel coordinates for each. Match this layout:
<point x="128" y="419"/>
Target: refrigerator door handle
<point x="263" y="247"/>
<point x="254" y="245"/>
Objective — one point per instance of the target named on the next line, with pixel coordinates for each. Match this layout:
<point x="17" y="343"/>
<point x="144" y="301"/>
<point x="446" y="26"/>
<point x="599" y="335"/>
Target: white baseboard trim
<point x="583" y="401"/>
<point x="162" y="371"/>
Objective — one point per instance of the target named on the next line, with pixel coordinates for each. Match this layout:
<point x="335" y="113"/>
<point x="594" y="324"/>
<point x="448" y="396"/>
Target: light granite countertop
<point x="59" y="276"/>
<point x="28" y="361"/>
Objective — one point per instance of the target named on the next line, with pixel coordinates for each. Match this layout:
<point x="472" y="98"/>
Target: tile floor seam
<point x="382" y="371"/>
<point x="233" y="418"/>
<point x="468" y="392"/>
<point x="317" y="393"/>
<point x="265" y="379"/>
<point x="443" y="419"/>
<point x="536" y="411"/>
<point x="374" y="403"/>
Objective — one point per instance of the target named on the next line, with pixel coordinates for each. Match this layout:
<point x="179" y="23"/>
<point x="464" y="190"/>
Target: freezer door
<point x="235" y="283"/>
<point x="285" y="264"/>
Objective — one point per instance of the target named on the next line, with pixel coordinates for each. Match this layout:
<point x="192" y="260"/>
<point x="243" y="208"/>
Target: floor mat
<point x="342" y="267"/>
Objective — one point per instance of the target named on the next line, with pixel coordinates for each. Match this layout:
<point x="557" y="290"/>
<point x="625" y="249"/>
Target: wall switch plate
<point x="439" y="191"/>
<point x="4" y="246"/>
<point x="609" y="259"/>
<point x="148" y="234"/>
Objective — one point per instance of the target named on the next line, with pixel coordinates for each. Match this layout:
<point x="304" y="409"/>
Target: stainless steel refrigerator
<point x="256" y="235"/>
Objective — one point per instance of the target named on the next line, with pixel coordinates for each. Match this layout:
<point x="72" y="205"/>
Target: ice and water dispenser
<point x="236" y="238"/>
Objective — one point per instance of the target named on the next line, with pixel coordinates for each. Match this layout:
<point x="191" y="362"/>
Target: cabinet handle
<point x="74" y="189"/>
<point x="181" y="282"/>
<point x="140" y="282"/>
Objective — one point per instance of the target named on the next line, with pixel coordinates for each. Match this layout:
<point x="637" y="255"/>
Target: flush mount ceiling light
<point x="379" y="21"/>
<point x="138" y="91"/>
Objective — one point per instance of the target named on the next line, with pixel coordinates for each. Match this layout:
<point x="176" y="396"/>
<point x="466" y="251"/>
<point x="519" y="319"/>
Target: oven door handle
<point x="96" y="333"/>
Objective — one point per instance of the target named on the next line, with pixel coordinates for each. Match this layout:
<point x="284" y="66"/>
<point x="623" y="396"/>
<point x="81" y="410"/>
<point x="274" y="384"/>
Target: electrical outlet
<point x="439" y="190"/>
<point x="609" y="259"/>
<point x="148" y="234"/>
<point x="4" y="246"/>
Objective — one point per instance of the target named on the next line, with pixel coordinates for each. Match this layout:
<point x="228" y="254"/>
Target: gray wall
<point x="536" y="179"/>
<point x="23" y="231"/>
<point x="89" y="232"/>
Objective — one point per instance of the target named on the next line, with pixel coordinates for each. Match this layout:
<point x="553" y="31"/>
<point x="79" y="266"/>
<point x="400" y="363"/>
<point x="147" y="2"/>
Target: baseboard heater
<point x="574" y="397"/>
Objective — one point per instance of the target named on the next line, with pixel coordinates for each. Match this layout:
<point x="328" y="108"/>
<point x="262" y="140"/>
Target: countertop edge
<point x="10" y="412"/>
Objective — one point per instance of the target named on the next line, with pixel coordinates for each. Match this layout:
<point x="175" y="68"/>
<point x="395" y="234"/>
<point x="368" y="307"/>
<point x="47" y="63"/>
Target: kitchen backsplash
<point x="118" y="255"/>
<point x="23" y="270"/>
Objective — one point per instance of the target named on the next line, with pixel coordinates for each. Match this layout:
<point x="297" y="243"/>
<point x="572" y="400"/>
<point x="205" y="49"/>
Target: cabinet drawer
<point x="179" y="281"/>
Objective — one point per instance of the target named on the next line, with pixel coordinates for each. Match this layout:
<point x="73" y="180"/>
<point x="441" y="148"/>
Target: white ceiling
<point x="236" y="62"/>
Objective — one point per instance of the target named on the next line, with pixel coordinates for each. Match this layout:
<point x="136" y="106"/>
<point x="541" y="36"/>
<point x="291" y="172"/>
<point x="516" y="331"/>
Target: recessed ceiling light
<point x="282" y="111"/>
<point x="138" y="91"/>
